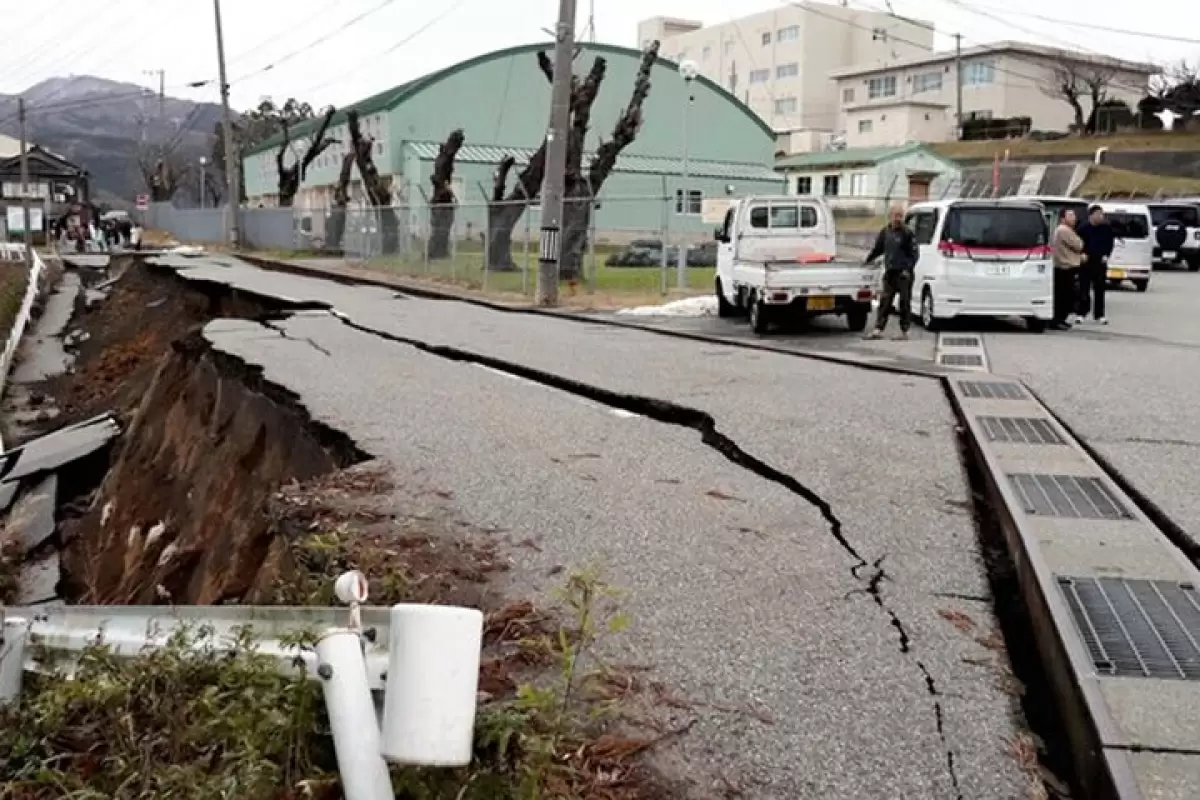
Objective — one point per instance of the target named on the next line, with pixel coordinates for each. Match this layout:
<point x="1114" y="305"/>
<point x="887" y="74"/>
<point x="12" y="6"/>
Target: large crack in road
<point x="870" y="574"/>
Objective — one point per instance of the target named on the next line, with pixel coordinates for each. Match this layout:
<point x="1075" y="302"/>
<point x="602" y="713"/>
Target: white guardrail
<point x="16" y="252"/>
<point x="423" y="658"/>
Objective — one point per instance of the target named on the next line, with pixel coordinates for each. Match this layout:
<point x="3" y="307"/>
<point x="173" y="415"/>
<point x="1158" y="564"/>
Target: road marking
<point x="616" y="412"/>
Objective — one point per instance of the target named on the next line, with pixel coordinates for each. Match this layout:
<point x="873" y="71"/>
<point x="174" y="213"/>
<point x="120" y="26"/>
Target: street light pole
<point x="688" y="70"/>
<point x="203" y="181"/>
<point x="27" y="232"/>
<point x="232" y="195"/>
<point x="554" y="185"/>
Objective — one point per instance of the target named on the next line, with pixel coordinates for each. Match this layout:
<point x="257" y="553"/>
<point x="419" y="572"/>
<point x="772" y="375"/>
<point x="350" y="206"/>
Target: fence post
<point x="352" y="718"/>
<point x="12" y="660"/>
<point x="666" y="232"/>
<point x="528" y="215"/>
<point x="487" y="237"/>
<point x="425" y="228"/>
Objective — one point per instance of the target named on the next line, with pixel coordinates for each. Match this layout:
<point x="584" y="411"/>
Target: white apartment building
<point x="778" y="62"/>
<point x="915" y="100"/>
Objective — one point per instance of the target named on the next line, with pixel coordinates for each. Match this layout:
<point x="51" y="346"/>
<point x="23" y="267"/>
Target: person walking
<point x="898" y="246"/>
<point x="1067" y="249"/>
<point x="1098" y="240"/>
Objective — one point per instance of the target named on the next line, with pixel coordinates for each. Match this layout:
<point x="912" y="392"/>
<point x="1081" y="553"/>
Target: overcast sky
<point x="403" y="39"/>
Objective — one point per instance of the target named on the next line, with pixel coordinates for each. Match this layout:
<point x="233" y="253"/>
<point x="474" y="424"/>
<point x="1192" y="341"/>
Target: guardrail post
<point x="12" y="659"/>
<point x="352" y="719"/>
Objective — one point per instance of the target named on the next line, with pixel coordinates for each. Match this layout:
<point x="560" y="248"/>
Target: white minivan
<point x="982" y="258"/>
<point x="1132" y="257"/>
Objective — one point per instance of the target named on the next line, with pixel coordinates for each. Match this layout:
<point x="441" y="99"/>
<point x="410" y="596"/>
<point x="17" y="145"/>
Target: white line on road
<point x="616" y="412"/>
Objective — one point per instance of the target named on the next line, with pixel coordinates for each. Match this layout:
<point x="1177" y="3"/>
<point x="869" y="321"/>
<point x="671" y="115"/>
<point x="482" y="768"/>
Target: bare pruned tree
<point x="1075" y="80"/>
<point x="163" y="170"/>
<point x="378" y="188"/>
<point x="292" y="175"/>
<point x="442" y="201"/>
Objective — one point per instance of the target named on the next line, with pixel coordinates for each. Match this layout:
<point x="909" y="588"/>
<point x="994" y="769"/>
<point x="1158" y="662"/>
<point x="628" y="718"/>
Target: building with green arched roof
<point x="501" y="101"/>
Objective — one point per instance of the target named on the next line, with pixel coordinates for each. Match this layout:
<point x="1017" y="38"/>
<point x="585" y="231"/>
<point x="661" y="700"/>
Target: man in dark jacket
<point x="1098" y="240"/>
<point x="898" y="246"/>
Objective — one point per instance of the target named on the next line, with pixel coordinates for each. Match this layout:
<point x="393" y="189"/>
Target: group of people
<point x="108" y="235"/>
<point x="1081" y="252"/>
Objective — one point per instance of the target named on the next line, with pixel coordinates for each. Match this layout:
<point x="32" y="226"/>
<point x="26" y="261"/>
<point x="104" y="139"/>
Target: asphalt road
<point x="741" y="594"/>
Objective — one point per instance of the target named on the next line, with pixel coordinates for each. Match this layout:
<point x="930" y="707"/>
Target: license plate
<point x="997" y="269"/>
<point x="1116" y="274"/>
<point x="1168" y="254"/>
<point x="820" y="303"/>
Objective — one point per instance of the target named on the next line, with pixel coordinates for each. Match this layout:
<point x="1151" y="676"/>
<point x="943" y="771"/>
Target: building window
<point x="858" y="184"/>
<point x="847" y="95"/>
<point x="785" y="105"/>
<point x="881" y="87"/>
<point x="706" y="52"/>
<point x="787" y="70"/>
<point x="865" y="126"/>
<point x="927" y="82"/>
<point x="979" y="73"/>
<point x="766" y="38"/>
<point x="831" y="185"/>
<point x="879" y="34"/>
<point x="804" y="185"/>
<point x="695" y="202"/>
<point x="760" y="75"/>
<point x="789" y="34"/>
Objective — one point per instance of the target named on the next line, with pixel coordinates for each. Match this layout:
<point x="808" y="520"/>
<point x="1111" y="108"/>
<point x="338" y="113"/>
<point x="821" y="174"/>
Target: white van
<point x="1176" y="233"/>
<point x="982" y="258"/>
<point x="777" y="258"/>
<point x="1132" y="258"/>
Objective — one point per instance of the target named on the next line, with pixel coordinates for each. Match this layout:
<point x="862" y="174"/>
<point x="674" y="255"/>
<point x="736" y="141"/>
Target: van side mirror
<point x="718" y="235"/>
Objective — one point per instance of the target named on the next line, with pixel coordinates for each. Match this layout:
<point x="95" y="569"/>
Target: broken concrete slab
<point x="8" y="493"/>
<point x="31" y="521"/>
<point x="61" y="447"/>
<point x="40" y="579"/>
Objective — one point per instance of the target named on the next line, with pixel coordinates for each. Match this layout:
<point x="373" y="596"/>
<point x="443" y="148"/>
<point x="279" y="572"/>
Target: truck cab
<point x="777" y="258"/>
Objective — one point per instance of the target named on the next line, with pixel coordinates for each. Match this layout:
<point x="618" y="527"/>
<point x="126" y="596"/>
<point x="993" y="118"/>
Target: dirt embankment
<point x="181" y="515"/>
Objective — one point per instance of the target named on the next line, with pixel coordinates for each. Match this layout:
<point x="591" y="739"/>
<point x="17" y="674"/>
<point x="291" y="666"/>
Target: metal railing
<point x="16" y="252"/>
<point x="380" y="706"/>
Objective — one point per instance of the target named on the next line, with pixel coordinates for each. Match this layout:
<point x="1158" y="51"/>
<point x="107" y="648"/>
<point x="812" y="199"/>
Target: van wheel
<point x="758" y="316"/>
<point x="725" y="309"/>
<point x="1035" y="325"/>
<point x="1142" y="285"/>
<point x="856" y="317"/>
<point x="928" y="321"/>
<point x="1193" y="264"/>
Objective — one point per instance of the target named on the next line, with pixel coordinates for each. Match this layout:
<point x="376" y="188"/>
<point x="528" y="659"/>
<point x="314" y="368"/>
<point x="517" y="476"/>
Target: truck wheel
<point x="857" y="317"/>
<point x="1035" y="325"/>
<point x="1142" y="285"/>
<point x="928" y="321"/>
<point x="758" y="317"/>
<point x="1193" y="264"/>
<point x="725" y="309"/>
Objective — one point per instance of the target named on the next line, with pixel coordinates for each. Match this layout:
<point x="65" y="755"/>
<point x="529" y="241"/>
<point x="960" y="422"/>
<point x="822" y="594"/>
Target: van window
<point x="784" y="216"/>
<point x="1188" y="216"/>
<point x="1128" y="226"/>
<point x="923" y="225"/>
<point x="995" y="226"/>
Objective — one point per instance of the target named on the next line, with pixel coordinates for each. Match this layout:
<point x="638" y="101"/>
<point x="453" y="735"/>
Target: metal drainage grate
<point x="991" y="390"/>
<point x="1067" y="496"/>
<point x="1137" y="628"/>
<point x="960" y="341"/>
<point x="961" y="360"/>
<point x="1020" y="430"/>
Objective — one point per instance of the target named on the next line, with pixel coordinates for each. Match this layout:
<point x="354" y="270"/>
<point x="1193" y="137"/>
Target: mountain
<point x="102" y="124"/>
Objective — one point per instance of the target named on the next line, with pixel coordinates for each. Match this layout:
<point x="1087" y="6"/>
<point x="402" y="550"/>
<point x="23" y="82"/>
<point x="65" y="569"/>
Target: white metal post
<point x="352" y="719"/>
<point x="12" y="658"/>
<point x="688" y="70"/>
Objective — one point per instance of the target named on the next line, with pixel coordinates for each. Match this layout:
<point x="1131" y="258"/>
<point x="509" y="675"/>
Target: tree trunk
<point x="576" y="221"/>
<point x="501" y="219"/>
<point x="442" y="201"/>
<point x="336" y="229"/>
<point x="378" y="189"/>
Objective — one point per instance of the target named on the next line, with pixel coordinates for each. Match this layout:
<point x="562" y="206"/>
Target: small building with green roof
<point x="866" y="180"/>
<point x="501" y="101"/>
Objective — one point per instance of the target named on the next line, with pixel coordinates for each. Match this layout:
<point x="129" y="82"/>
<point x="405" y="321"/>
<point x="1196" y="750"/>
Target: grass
<point x="1109" y="181"/>
<point x="12" y="291"/>
<point x="1084" y="146"/>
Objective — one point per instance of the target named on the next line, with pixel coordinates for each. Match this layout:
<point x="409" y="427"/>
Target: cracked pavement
<point x="794" y="535"/>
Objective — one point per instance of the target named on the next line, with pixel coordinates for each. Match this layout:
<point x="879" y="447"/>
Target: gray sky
<point x="131" y="37"/>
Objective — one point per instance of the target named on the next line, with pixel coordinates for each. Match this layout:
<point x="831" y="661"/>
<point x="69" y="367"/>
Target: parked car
<point x="1176" y="233"/>
<point x="649" y="253"/>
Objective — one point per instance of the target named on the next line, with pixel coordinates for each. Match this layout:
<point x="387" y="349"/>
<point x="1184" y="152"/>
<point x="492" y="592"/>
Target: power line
<point x="1074" y="23"/>
<point x="286" y="31"/>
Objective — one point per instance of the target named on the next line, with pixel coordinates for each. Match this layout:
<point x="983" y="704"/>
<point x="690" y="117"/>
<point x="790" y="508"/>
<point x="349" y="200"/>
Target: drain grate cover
<point x="1137" y="628"/>
<point x="1020" y="430"/>
<point x="960" y="341"/>
<point x="1067" y="496"/>
<point x="961" y="360"/>
<point x="991" y="390"/>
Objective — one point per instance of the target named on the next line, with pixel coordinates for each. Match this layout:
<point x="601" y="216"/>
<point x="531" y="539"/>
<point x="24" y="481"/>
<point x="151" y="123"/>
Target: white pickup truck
<point x="777" y="258"/>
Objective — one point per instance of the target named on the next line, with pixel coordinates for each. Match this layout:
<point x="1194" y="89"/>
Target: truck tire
<point x="725" y="309"/>
<point x="758" y="317"/>
<point x="857" y="317"/>
<point x="1142" y="285"/>
<point x="1193" y="263"/>
<point x="1035" y="325"/>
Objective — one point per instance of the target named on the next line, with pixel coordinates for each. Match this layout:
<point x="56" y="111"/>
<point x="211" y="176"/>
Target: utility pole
<point x="554" y="186"/>
<point x="162" y="90"/>
<point x="28" y="229"/>
<point x="232" y="195"/>
<point x="958" y="83"/>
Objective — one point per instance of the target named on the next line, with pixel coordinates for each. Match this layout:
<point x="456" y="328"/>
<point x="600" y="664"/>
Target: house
<point x="778" y="62"/>
<point x="501" y="101"/>
<point x="916" y="99"/>
<point x="866" y="180"/>
<point x="57" y="187"/>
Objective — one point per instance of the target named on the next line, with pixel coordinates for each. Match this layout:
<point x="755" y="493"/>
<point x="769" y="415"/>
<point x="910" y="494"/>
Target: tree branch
<point x="442" y="176"/>
<point x="627" y="125"/>
<point x="582" y="99"/>
<point x="500" y="178"/>
<point x="319" y="143"/>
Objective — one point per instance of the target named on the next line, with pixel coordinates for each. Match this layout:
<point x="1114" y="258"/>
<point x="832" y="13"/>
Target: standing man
<point x="1098" y="239"/>
<point x="898" y="246"/>
<point x="1067" y="249"/>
